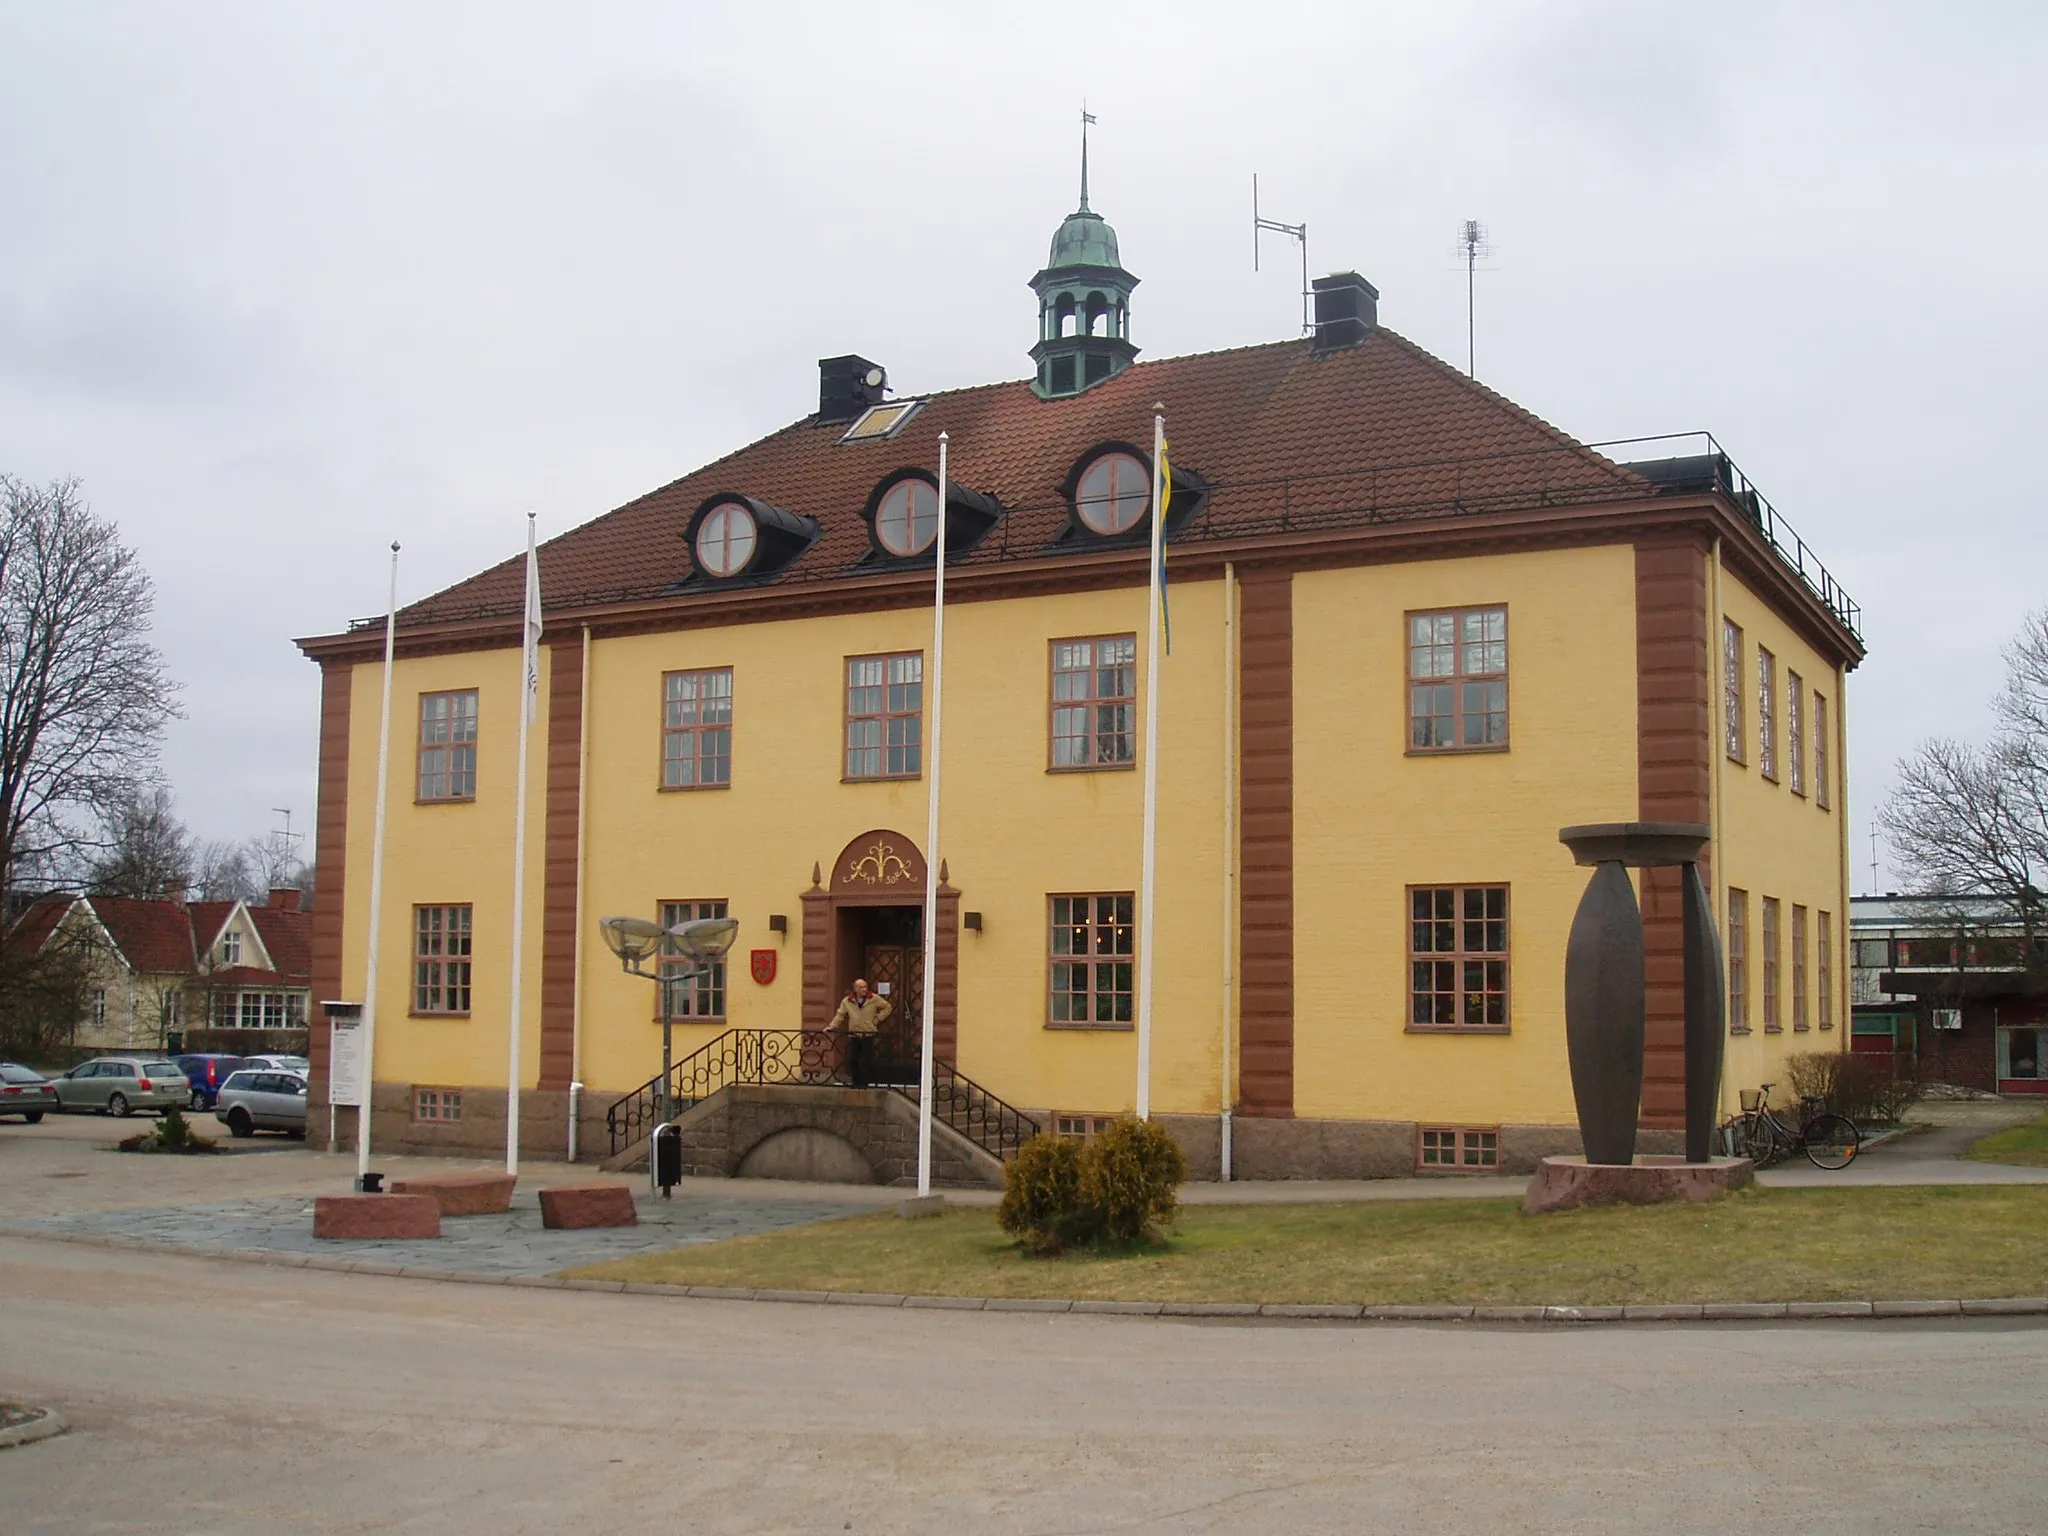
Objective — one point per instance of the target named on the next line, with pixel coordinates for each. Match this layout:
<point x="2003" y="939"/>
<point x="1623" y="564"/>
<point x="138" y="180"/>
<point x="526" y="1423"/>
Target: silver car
<point x="25" y="1092"/>
<point x="252" y="1101"/>
<point x="120" y="1085"/>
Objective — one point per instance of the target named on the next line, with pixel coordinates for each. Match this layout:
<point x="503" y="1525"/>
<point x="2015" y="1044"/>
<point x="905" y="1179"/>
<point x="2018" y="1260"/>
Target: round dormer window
<point x="726" y="539"/>
<point x="907" y="519"/>
<point x="1113" y="493"/>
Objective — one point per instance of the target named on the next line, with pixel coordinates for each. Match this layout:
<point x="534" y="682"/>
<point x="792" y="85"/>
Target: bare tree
<point x="223" y="870"/>
<point x="149" y="851"/>
<point x="83" y="691"/>
<point x="1968" y="820"/>
<point x="44" y="989"/>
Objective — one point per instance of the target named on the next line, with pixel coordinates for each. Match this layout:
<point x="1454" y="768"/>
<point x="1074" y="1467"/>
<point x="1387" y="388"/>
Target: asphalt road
<point x="223" y="1398"/>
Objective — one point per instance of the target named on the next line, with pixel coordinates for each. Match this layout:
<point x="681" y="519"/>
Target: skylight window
<point x="881" y="421"/>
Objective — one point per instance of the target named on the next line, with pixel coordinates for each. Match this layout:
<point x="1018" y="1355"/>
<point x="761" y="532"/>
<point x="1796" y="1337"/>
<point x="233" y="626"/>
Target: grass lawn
<point x="2016" y="1144"/>
<point x="1759" y="1245"/>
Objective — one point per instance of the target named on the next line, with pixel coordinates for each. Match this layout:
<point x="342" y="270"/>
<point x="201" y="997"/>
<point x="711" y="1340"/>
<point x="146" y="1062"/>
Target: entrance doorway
<point x="866" y="918"/>
<point x="886" y="945"/>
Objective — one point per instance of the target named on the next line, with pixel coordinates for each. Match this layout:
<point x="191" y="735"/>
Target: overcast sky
<point x="282" y="282"/>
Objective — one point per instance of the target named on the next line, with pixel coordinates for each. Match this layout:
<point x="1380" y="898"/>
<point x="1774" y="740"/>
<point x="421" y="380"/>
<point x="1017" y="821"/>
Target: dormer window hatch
<point x="903" y="516"/>
<point x="733" y="536"/>
<point x="879" y="422"/>
<point x="1109" y="494"/>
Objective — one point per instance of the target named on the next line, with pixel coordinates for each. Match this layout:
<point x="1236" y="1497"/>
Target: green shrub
<point x="1042" y="1195"/>
<point x="1131" y="1175"/>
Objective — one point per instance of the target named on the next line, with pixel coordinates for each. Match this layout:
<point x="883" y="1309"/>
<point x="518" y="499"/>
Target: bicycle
<point x="1829" y="1141"/>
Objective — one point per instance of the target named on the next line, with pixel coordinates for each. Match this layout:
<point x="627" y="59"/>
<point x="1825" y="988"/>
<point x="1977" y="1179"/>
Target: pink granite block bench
<point x="362" y="1216"/>
<point x="588" y="1205"/>
<point x="461" y="1194"/>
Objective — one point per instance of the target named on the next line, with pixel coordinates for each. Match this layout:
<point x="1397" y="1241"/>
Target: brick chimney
<point x="283" y="897"/>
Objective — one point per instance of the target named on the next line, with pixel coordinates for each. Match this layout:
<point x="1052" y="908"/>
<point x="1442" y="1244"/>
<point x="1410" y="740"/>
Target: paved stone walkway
<point x="511" y="1243"/>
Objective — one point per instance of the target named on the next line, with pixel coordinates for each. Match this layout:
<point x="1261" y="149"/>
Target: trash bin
<point x="668" y="1158"/>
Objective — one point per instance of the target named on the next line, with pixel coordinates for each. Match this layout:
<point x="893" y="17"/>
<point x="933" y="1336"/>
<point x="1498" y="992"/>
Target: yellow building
<point x="1414" y="631"/>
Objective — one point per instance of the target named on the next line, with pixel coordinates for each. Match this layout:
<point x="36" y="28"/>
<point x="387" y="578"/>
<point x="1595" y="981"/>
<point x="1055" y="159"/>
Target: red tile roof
<point x="33" y="928"/>
<point x="153" y="936"/>
<point x="288" y="935"/>
<point x="1287" y="441"/>
<point x="207" y="919"/>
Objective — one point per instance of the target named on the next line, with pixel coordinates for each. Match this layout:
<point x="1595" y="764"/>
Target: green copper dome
<point x="1084" y="240"/>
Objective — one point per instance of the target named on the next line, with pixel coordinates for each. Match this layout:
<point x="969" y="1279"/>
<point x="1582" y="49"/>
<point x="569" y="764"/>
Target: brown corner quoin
<point x="376" y="1216"/>
<point x="572" y="1206"/>
<point x="461" y="1194"/>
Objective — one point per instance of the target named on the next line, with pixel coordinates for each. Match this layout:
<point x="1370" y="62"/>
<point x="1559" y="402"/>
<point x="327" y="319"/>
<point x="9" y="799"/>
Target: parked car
<point x="206" y="1071"/>
<point x="25" y="1092"/>
<point x="120" y="1085"/>
<point x="253" y="1101"/>
<point x="297" y="1064"/>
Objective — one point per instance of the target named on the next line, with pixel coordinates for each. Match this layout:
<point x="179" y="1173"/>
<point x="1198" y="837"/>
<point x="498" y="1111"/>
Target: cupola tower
<point x="1084" y="301"/>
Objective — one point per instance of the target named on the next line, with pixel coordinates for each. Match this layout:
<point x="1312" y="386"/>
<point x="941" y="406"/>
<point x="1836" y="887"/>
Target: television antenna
<point x="1874" y="887"/>
<point x="1473" y="243"/>
<point x="1300" y="234"/>
<point x="287" y="840"/>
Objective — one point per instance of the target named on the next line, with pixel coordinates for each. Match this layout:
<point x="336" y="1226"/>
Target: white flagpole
<point x="931" y="847"/>
<point x="369" y="1083"/>
<point x="1147" y="880"/>
<point x="529" y="703"/>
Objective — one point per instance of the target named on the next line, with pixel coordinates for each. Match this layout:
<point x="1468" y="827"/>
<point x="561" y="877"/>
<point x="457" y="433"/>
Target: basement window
<point x="436" y="1106"/>
<point x="1081" y="1127"/>
<point x="1457" y="1149"/>
<point x="881" y="421"/>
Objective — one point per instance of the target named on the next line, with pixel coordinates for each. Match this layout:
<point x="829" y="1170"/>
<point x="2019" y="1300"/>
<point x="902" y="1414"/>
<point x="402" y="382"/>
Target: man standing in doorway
<point x="860" y="1015"/>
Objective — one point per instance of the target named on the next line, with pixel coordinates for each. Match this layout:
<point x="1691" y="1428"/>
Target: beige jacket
<point x="858" y="1018"/>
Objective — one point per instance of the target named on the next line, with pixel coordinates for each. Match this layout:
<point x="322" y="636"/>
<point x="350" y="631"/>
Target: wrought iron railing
<point x="818" y="1058"/>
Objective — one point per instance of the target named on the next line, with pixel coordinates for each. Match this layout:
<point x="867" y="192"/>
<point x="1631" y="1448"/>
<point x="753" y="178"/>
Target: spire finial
<point x="1087" y="117"/>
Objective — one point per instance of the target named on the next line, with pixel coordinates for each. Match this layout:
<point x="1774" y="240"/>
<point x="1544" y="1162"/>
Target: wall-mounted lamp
<point x="778" y="923"/>
<point x="971" y="921"/>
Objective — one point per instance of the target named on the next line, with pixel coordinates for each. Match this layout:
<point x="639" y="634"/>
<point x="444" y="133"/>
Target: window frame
<point x="231" y="948"/>
<point x="1103" y="455"/>
<point x="1823" y="758"/>
<point x="1795" y="733"/>
<point x="444" y="1100"/>
<point x="848" y="717"/>
<point x="696" y="731"/>
<point x="1738" y="961"/>
<point x="1734" y="687"/>
<point x="1092" y="703"/>
<point x="1771" y="939"/>
<point x="673" y="912"/>
<point x="1824" y="968"/>
<point x="1465" y="1139"/>
<point x="443" y="960"/>
<point x="912" y="485"/>
<point x="1090" y="961"/>
<point x="1766" y="713"/>
<point x="1460" y="957"/>
<point x="450" y="775"/>
<point x="1457" y="679"/>
<point x="1800" y="1021"/>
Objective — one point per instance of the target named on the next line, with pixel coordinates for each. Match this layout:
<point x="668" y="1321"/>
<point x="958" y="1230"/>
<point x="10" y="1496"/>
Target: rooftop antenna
<point x="1300" y="234"/>
<point x="1874" y="886"/>
<point x="287" y="840"/>
<point x="1473" y="243"/>
<point x="1087" y="117"/>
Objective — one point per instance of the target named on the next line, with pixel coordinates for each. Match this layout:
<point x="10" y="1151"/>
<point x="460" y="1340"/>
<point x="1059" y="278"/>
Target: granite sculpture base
<point x="1571" y="1183"/>
<point x="461" y="1194"/>
<point x="368" y="1216"/>
<point x="572" y="1207"/>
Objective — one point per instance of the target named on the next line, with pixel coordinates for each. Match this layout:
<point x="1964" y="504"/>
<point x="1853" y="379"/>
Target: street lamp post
<point x="635" y="941"/>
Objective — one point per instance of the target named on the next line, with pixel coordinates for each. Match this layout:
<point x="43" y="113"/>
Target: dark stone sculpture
<point x="1604" y="987"/>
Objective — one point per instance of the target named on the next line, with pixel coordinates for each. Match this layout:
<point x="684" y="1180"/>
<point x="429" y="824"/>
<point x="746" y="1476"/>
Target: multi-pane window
<point x="231" y="948"/>
<point x="1731" y="688"/>
<point x="1822" y="761"/>
<point x="1824" y="971"/>
<point x="885" y="716"/>
<point x="1799" y="1019"/>
<point x="267" y="1010"/>
<point x="696" y="729"/>
<point x="1458" y="957"/>
<point x="696" y="998"/>
<point x="1738" y="959"/>
<point x="437" y="1104"/>
<point x="1093" y="943"/>
<point x="1771" y="938"/>
<point x="1795" y="731"/>
<point x="1094" y="702"/>
<point x="448" y="745"/>
<point x="1766" y="713"/>
<point x="1448" y="1146"/>
<point x="1457" y="679"/>
<point x="440" y="959"/>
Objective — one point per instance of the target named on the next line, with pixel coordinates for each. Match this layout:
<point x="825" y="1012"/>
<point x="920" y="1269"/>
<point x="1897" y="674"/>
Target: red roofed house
<point x="163" y="966"/>
<point x="1415" y="630"/>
